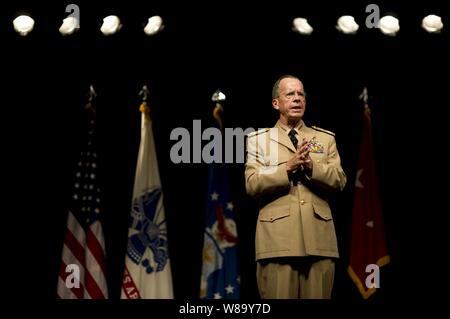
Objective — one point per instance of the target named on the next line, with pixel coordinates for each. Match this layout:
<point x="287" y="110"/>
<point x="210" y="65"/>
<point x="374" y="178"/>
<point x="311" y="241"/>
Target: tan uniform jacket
<point x="294" y="217"/>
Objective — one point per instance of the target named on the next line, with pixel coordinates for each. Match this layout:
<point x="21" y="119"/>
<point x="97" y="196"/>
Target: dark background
<point x="241" y="48"/>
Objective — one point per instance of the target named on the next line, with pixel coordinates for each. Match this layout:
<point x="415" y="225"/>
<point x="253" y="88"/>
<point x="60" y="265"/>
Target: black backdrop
<point x="241" y="50"/>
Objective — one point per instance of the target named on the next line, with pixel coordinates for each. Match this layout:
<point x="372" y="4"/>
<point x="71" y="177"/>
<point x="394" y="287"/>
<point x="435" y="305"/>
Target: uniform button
<point x="302" y="202"/>
<point x="318" y="161"/>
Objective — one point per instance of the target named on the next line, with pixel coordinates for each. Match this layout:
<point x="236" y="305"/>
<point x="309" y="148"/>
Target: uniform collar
<point x="283" y="138"/>
<point x="287" y="128"/>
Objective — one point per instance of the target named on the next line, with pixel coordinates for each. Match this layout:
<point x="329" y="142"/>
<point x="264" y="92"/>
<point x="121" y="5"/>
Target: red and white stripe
<point x="87" y="251"/>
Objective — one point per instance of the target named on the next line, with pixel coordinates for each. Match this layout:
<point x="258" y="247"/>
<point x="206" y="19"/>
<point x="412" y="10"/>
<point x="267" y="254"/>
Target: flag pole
<point x="365" y="97"/>
<point x="220" y="270"/>
<point x="144" y="93"/>
<point x="147" y="271"/>
<point x="84" y="244"/>
<point x="144" y="106"/>
<point x="368" y="248"/>
<point x="89" y="107"/>
<point x="218" y="97"/>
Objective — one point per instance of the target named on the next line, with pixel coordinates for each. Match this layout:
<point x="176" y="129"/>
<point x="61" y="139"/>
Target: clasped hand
<point x="301" y="159"/>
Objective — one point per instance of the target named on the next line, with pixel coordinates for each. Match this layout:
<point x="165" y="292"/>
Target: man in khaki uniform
<point x="290" y="168"/>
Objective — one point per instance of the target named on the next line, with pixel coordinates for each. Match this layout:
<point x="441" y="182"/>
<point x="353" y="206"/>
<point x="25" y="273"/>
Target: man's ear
<point x="275" y="104"/>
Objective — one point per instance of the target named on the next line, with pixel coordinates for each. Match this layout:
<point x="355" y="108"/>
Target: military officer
<point x="290" y="169"/>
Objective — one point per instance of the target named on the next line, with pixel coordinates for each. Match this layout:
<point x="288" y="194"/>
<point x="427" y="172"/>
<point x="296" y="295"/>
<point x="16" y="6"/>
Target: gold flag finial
<point x="144" y="108"/>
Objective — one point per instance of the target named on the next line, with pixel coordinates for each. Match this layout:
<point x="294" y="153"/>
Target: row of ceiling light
<point x="24" y="24"/>
<point x="389" y="25"/>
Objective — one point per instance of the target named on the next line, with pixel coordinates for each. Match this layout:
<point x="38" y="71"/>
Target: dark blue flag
<point x="220" y="271"/>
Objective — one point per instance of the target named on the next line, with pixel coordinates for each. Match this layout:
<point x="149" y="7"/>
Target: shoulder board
<point x="322" y="130"/>
<point x="263" y="130"/>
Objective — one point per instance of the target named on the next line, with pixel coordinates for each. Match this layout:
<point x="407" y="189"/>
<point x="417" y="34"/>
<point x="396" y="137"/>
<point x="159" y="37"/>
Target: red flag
<point x="368" y="245"/>
<point x="82" y="272"/>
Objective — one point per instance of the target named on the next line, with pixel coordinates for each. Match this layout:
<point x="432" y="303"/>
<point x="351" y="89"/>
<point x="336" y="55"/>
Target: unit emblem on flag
<point x="149" y="232"/>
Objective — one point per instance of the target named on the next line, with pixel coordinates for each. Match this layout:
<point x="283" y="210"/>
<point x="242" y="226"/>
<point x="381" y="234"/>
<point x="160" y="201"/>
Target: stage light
<point x="347" y="25"/>
<point x="154" y="25"/>
<point x="432" y="23"/>
<point x="389" y="25"/>
<point x="111" y="24"/>
<point x="23" y="24"/>
<point x="69" y="26"/>
<point x="302" y="26"/>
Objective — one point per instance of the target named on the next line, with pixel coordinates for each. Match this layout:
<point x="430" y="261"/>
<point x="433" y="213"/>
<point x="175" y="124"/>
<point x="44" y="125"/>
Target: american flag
<point x="82" y="272"/>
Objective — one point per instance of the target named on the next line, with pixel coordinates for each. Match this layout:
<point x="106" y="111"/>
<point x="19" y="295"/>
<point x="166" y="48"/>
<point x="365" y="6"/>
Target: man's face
<point x="291" y="101"/>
